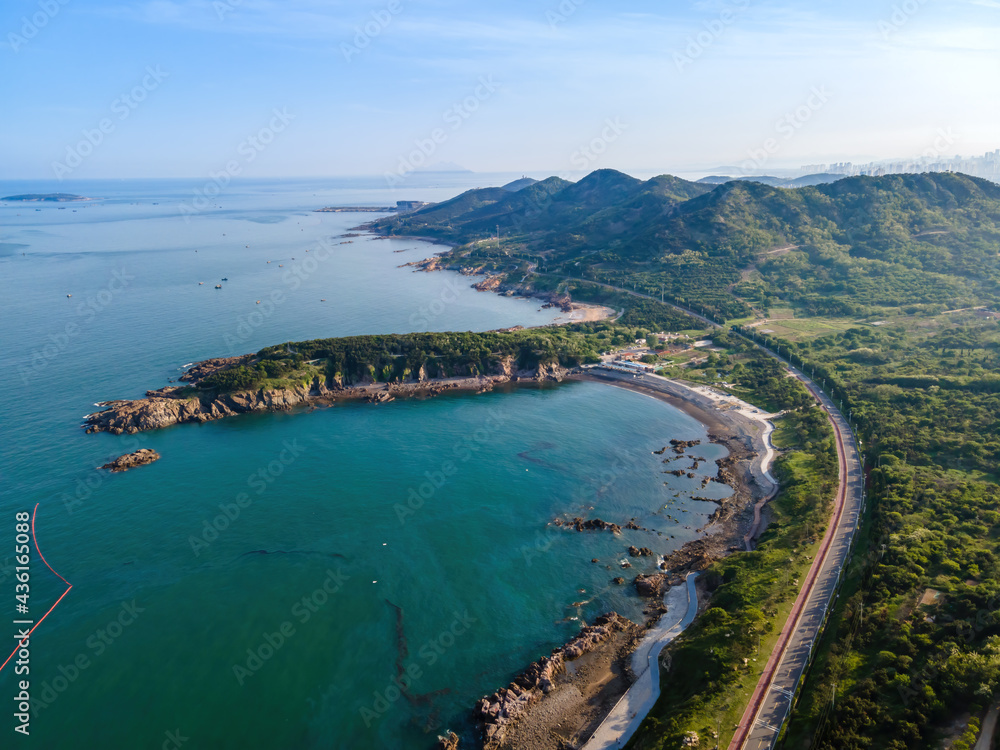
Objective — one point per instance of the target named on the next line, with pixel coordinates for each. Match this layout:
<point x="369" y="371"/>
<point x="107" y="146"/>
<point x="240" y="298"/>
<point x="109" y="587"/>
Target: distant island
<point x="46" y="197"/>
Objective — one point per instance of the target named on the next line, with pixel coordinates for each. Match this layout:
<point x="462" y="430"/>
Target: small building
<point x="409" y="205"/>
<point x="638" y="366"/>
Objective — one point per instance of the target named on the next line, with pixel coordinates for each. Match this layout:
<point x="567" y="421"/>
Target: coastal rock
<point x="427" y="264"/>
<point x="650" y="585"/>
<point x="639" y="552"/>
<point x="208" y="367"/>
<point x="156" y="412"/>
<point x="489" y="284"/>
<point x="496" y="713"/>
<point x="131" y="460"/>
<point x="450" y="742"/>
<point x="593" y="524"/>
<point x="679" y="446"/>
<point x="618" y="581"/>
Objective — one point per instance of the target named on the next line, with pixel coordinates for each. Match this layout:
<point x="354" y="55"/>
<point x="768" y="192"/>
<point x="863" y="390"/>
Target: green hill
<point x="846" y="245"/>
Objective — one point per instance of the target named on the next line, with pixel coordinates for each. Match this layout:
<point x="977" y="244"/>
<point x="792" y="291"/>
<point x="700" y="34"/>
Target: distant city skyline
<point x="258" y="88"/>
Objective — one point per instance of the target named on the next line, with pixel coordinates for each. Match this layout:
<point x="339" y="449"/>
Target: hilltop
<point x="839" y="246"/>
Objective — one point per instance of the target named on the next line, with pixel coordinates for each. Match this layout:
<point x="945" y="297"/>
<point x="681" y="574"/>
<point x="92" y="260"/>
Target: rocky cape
<point x="180" y="404"/>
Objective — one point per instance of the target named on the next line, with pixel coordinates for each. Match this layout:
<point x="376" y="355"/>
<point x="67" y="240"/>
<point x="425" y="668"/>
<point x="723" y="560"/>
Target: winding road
<point x="773" y="697"/>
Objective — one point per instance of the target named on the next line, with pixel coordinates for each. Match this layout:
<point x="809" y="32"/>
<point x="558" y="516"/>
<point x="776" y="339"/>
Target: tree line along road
<point x="773" y="697"/>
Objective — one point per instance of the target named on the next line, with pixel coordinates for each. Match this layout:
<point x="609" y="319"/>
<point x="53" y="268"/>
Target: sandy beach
<point x="585" y="313"/>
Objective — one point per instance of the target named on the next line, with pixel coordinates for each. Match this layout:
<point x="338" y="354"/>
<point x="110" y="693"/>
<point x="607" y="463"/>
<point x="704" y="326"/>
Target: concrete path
<point x="619" y="725"/>
<point x="985" y="741"/>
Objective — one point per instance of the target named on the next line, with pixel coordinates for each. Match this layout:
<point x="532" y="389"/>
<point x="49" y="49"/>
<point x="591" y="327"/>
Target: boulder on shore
<point x="650" y="585"/>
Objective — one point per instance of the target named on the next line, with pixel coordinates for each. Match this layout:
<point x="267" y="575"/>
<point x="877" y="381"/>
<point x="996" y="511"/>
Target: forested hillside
<point x="887" y="288"/>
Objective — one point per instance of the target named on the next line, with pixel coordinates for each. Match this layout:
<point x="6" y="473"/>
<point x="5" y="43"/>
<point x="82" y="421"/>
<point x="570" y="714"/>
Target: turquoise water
<point x="266" y="583"/>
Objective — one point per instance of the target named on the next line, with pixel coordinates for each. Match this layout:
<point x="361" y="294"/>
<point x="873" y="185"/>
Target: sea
<point x="350" y="577"/>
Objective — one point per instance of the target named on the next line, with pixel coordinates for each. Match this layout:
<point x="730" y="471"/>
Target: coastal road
<point x="619" y="725"/>
<point x="772" y="698"/>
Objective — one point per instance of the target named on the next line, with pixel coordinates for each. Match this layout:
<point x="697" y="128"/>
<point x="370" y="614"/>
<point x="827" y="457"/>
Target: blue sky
<point x="538" y="87"/>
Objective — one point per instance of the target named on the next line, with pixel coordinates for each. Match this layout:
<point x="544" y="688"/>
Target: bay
<point x="266" y="583"/>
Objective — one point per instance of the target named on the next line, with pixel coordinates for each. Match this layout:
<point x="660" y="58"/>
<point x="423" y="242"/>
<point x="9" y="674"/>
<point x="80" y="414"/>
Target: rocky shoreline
<point x="556" y="717"/>
<point x="499" y="716"/>
<point x="173" y="405"/>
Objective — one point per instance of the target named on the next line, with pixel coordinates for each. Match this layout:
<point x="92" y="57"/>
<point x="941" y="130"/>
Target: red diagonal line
<point x="39" y="549"/>
<point x="68" y="589"/>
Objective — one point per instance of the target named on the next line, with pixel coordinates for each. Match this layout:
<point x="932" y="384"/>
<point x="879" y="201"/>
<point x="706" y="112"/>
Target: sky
<point x="260" y="88"/>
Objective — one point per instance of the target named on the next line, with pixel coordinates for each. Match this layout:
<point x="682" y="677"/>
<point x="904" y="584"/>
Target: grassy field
<point x="800" y="329"/>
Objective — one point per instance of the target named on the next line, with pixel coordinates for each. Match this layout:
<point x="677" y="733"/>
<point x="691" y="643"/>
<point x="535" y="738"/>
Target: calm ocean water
<point x="269" y="580"/>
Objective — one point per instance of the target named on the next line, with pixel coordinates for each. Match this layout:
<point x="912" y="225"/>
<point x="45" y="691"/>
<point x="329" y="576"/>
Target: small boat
<point x="322" y="300"/>
<point x="224" y="279"/>
<point x="218" y="286"/>
<point x="69" y="295"/>
<point x="258" y="302"/>
<point x="200" y="283"/>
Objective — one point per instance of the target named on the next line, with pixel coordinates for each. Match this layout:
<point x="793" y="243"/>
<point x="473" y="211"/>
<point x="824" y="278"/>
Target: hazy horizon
<point x="305" y="89"/>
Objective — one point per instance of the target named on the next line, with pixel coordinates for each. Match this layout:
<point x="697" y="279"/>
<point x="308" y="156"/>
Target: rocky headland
<point x="190" y="403"/>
